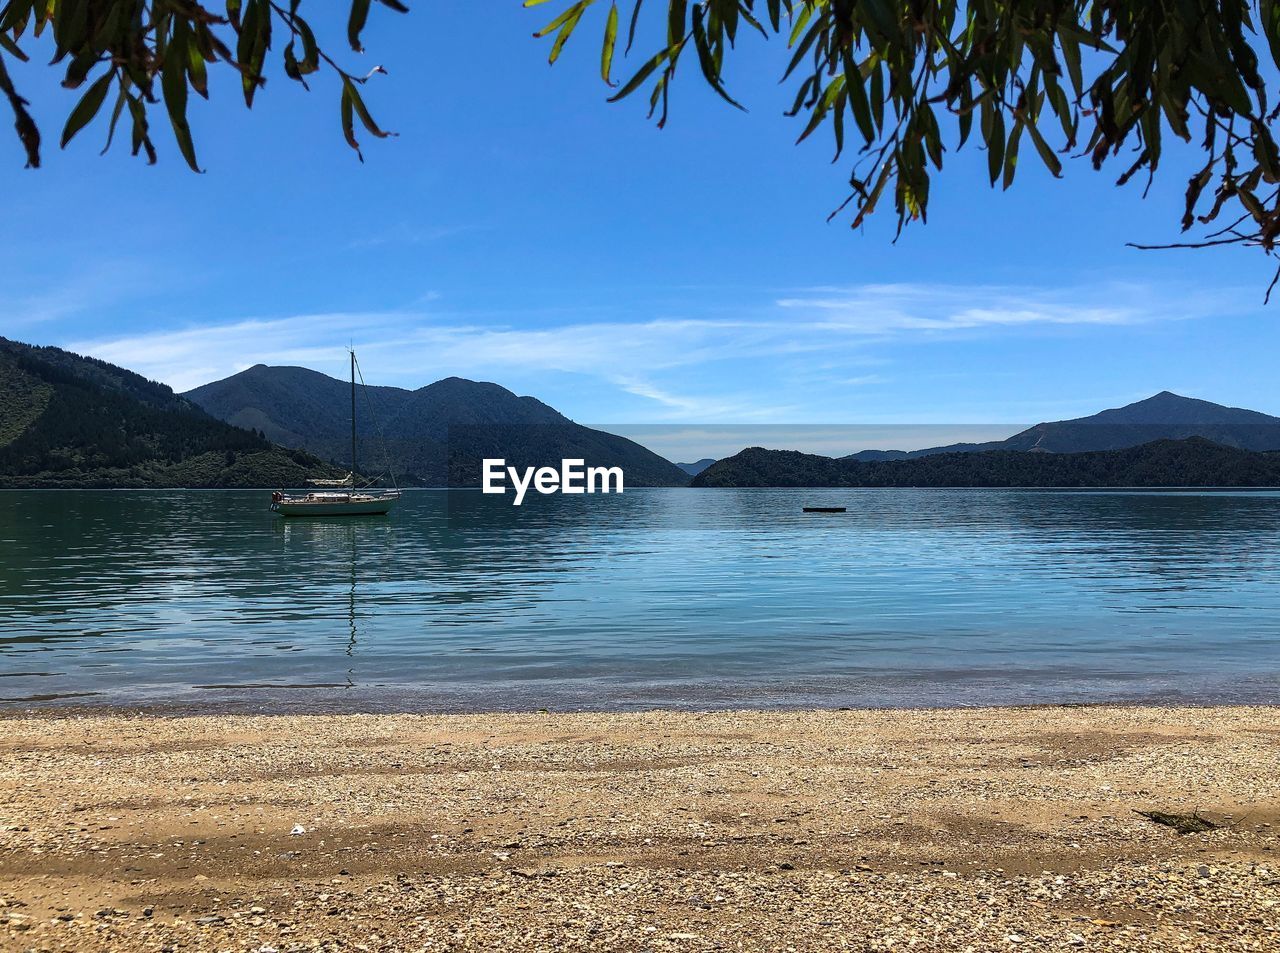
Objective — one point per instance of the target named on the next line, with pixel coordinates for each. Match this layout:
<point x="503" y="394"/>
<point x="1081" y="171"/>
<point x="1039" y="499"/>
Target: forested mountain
<point x="1166" y="416"/>
<point x="436" y="435"/>
<point x="1191" y="462"/>
<point x="67" y="420"/>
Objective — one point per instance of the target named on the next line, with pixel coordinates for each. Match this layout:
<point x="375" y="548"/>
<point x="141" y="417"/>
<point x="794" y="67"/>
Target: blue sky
<point x="522" y="230"/>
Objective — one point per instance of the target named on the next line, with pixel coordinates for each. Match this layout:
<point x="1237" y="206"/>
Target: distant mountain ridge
<point x="68" y="420"/>
<point x="1164" y="416"/>
<point x="1194" y="461"/>
<point x="693" y="469"/>
<point x="436" y="435"/>
<point x="72" y="421"/>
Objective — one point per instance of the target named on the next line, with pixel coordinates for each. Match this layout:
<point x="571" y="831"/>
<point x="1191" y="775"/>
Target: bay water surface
<point x="655" y="598"/>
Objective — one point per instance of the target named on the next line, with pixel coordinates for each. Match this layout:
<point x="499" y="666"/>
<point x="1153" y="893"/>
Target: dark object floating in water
<point x="824" y="509"/>
<point x="1191" y="823"/>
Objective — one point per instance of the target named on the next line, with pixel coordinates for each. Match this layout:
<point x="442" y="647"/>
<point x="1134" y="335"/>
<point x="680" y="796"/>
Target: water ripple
<point x="658" y="597"/>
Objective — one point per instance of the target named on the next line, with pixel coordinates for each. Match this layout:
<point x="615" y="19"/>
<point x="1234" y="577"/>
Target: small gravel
<point x="994" y="829"/>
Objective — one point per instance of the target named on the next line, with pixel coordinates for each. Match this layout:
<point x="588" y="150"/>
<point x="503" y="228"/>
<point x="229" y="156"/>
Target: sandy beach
<point x="994" y="829"/>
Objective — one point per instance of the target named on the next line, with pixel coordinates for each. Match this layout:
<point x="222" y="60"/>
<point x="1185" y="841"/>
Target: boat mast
<point x="353" y="419"/>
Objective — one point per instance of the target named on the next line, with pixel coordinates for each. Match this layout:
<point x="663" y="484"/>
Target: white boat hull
<point x="326" y="505"/>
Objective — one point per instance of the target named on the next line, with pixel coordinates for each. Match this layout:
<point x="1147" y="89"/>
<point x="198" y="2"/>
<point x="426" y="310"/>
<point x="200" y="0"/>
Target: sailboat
<point x="338" y="497"/>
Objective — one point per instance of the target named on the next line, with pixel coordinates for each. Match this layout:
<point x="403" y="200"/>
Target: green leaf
<point x="676" y="15"/>
<point x="993" y="132"/>
<point x="567" y="29"/>
<point x="877" y="92"/>
<point x="1071" y="53"/>
<point x="80" y="67"/>
<point x="141" y="130"/>
<point x="196" y="70"/>
<point x="564" y="17"/>
<point x="121" y="99"/>
<point x="88" y="107"/>
<point x="12" y="48"/>
<point x="610" y="40"/>
<point x="1011" y="152"/>
<point x="1264" y="150"/>
<point x="1252" y="206"/>
<point x="348" y="120"/>
<point x="1047" y="154"/>
<point x="815" y="31"/>
<point x="173" y="84"/>
<point x="291" y="68"/>
<point x="1269" y="15"/>
<point x="884" y="16"/>
<point x="707" y="60"/>
<point x="355" y="23"/>
<point x="631" y="28"/>
<point x="868" y="205"/>
<point x="643" y="73"/>
<point x="858" y="102"/>
<point x="357" y="103"/>
<point x="310" y="61"/>
<point x="255" y="25"/>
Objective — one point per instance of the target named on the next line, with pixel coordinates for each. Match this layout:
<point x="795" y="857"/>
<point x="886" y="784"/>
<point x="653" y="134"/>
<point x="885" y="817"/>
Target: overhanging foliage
<point x="122" y="50"/>
<point x="895" y="83"/>
<point x="899" y="82"/>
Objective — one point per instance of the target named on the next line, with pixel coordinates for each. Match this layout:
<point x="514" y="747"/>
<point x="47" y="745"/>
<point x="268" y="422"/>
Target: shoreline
<point x="870" y="829"/>
<point x="950" y="691"/>
<point x="71" y="707"/>
<point x="66" y="708"/>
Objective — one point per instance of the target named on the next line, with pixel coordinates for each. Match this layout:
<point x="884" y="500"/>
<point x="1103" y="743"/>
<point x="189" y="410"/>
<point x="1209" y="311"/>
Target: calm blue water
<point x="692" y="598"/>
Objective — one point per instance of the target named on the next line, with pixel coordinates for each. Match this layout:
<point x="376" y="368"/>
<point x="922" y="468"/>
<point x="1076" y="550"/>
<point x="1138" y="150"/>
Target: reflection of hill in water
<point x="1200" y="537"/>
<point x="1189" y="538"/>
<point x="461" y="592"/>
<point x="113" y="553"/>
<point x="1083" y="511"/>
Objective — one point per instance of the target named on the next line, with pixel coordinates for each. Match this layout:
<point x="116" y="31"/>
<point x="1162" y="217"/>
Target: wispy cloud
<point x="412" y="348"/>
<point x="863" y="380"/>
<point x="61" y="296"/>
<point x="187" y="357"/>
<point x="408" y="234"/>
<point x="718" y="369"/>
<point x="732" y="405"/>
<point x="896" y="308"/>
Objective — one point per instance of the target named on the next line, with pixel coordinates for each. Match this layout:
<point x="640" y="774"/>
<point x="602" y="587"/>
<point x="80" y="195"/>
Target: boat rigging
<point x="343" y="497"/>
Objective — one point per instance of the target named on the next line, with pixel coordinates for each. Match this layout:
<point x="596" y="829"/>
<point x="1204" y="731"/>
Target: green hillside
<point x="23" y="398"/>
<point x="68" y="421"/>
<point x="1191" y="462"/>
